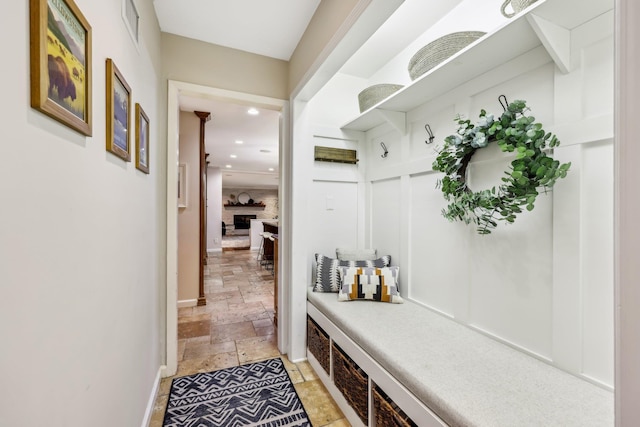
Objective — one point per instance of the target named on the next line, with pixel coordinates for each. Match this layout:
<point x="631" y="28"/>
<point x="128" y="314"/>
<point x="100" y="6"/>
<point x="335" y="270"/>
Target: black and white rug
<point x="257" y="394"/>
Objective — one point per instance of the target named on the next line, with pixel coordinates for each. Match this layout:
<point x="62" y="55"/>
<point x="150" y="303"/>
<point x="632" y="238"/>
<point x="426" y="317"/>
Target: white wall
<point x="214" y="210"/>
<point x="627" y="206"/>
<point x="81" y="240"/>
<point x="544" y="284"/>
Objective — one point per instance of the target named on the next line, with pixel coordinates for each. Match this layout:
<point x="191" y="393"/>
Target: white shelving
<point x="546" y="22"/>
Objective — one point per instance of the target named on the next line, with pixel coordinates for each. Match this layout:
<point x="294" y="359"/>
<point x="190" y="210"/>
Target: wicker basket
<point x="439" y="50"/>
<point x="352" y="382"/>
<point x="388" y="414"/>
<point x="318" y="343"/>
<point x="376" y="93"/>
<point x="516" y="5"/>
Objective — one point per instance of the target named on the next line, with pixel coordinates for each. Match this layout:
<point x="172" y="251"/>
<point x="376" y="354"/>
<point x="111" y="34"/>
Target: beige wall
<point x="192" y="61"/>
<point x="189" y="217"/>
<point x="328" y="18"/>
<point x="81" y="239"/>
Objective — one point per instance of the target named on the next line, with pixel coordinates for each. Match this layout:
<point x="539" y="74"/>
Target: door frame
<point x="174" y="90"/>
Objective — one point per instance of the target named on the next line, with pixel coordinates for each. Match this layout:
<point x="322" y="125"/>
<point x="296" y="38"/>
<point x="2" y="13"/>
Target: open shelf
<point x="546" y="22"/>
<point x="246" y="205"/>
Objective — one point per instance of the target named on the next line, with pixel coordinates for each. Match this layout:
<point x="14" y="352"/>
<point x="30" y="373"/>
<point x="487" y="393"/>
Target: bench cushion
<point x="465" y="377"/>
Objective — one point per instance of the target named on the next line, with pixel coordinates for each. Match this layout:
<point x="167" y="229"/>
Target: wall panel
<point x="597" y="261"/>
<point x="510" y="269"/>
<point x="435" y="245"/>
<point x="333" y="220"/>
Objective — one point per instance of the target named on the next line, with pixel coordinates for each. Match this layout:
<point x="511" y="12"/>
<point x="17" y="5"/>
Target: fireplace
<point x="242" y="222"/>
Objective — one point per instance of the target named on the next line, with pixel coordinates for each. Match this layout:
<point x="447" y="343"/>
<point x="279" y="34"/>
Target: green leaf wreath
<point x="532" y="170"/>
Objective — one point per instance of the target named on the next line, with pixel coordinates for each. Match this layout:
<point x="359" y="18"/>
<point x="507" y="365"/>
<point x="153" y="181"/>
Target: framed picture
<point x="142" y="140"/>
<point x="61" y="63"/>
<point x="182" y="185"/>
<point x="118" y="107"/>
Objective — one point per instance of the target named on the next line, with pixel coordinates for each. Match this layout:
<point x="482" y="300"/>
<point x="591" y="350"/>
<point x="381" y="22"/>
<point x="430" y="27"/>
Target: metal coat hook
<point x="384" y="147"/>
<point x="505" y="104"/>
<point x="431" y="136"/>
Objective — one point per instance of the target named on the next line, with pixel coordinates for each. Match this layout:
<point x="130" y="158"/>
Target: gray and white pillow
<point x="328" y="270"/>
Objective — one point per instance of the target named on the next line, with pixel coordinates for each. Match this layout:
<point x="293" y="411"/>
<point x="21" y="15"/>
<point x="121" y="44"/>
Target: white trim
<point x="175" y="89"/>
<point x="627" y="210"/>
<point x="173" y="114"/>
<point x="148" y="413"/>
<point x="214" y="251"/>
<point x="187" y="303"/>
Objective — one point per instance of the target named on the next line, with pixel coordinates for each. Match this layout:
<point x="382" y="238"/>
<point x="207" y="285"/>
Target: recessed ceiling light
<point x="253" y="111"/>
<point x="233" y="156"/>
<point x="271" y="169"/>
<point x="265" y="151"/>
<point x="228" y="166"/>
<point x="239" y="142"/>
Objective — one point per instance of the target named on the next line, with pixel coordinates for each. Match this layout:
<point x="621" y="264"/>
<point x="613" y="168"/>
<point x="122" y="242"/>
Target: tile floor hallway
<point x="236" y="327"/>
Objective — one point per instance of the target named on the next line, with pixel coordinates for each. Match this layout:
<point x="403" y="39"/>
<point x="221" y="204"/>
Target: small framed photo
<point x="118" y="107"/>
<point x="142" y="139"/>
<point x="182" y="185"/>
<point x="61" y="63"/>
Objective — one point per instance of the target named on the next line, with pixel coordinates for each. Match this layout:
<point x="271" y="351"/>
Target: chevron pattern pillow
<point x="370" y="283"/>
<point x="328" y="274"/>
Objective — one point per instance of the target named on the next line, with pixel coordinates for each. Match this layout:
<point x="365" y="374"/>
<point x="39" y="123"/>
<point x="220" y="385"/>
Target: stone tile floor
<point x="236" y="327"/>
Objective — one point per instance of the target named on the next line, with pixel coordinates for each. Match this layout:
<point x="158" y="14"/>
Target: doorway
<point x="175" y="91"/>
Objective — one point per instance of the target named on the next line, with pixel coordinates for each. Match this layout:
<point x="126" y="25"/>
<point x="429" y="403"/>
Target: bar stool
<point x="264" y="235"/>
<point x="269" y="262"/>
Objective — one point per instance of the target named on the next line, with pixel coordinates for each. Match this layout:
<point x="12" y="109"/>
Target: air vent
<point x="131" y="18"/>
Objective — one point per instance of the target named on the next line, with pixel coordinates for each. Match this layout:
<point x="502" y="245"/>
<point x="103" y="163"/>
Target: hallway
<point x="235" y="328"/>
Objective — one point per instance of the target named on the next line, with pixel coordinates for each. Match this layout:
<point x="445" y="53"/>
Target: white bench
<point x="440" y="372"/>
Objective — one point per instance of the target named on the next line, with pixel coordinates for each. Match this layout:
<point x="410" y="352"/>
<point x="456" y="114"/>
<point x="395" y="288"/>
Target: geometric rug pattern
<point x="256" y="394"/>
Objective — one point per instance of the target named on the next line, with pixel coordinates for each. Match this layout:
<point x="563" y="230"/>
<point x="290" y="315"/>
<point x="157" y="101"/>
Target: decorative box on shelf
<point x="245" y="205"/>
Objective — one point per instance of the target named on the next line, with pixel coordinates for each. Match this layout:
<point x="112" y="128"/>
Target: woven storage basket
<point x="376" y="93"/>
<point x="352" y="382"/>
<point x="318" y="343"/>
<point x="388" y="414"/>
<point x="439" y="50"/>
<point x="516" y="5"/>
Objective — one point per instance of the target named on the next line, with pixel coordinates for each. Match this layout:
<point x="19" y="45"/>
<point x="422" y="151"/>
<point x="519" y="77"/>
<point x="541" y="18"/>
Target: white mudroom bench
<point x="439" y="372"/>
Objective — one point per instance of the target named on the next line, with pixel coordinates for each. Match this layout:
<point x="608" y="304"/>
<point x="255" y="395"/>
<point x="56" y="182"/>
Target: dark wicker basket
<point x="388" y="414"/>
<point x="318" y="343"/>
<point x="352" y="382"/>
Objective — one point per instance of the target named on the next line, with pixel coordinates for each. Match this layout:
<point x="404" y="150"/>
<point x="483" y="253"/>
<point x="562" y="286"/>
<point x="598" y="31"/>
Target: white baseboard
<point x="148" y="413"/>
<point x="214" y="250"/>
<point x="187" y="303"/>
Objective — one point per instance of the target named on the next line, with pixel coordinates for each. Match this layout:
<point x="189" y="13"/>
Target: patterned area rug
<point x="257" y="394"/>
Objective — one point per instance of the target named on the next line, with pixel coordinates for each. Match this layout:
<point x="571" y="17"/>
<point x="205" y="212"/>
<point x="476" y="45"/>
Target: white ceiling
<point x="260" y="140"/>
<point x="270" y="28"/>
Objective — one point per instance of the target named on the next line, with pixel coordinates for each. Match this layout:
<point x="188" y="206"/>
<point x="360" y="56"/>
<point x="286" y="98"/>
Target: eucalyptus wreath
<point x="532" y="171"/>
